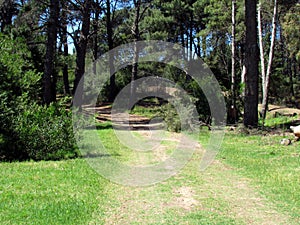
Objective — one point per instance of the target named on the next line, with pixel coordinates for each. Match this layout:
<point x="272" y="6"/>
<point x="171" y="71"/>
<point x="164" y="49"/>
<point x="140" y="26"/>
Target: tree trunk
<point x="204" y="46"/>
<point x="97" y="9"/>
<point x="198" y="46"/>
<point x="233" y="57"/>
<point x="66" y="54"/>
<point x="261" y="45"/>
<point x="251" y="66"/>
<point x="191" y="36"/>
<point x="290" y="73"/>
<point x="266" y="83"/>
<point x="95" y="30"/>
<point x="136" y="37"/>
<point x="81" y="47"/>
<point x="109" y="29"/>
<point x="49" y="72"/>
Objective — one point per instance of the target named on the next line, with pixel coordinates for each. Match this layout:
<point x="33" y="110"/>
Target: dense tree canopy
<point x="61" y="37"/>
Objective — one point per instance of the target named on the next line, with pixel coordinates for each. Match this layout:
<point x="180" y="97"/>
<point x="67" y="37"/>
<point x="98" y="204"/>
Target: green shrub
<point x="180" y="116"/>
<point x="170" y="117"/>
<point x="29" y="130"/>
<point x="45" y="132"/>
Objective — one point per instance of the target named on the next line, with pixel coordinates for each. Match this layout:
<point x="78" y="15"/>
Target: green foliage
<point x="29" y="130"/>
<point x="179" y="114"/>
<point x="45" y="132"/>
<point x="155" y="23"/>
<point x="170" y="117"/>
<point x="149" y="112"/>
<point x="18" y="79"/>
<point x="39" y="132"/>
<point x="279" y="121"/>
<point x="291" y="21"/>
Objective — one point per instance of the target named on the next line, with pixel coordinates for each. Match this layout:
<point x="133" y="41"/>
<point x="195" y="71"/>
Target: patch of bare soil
<point x="185" y="198"/>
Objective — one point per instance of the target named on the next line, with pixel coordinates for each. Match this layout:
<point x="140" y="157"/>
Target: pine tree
<point x="251" y="66"/>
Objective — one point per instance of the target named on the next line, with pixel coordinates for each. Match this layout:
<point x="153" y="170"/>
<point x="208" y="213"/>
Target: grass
<point x="148" y="112"/>
<point x="70" y="192"/>
<point x="280" y="121"/>
<point x="63" y="192"/>
<point x="271" y="166"/>
<point x="162" y="204"/>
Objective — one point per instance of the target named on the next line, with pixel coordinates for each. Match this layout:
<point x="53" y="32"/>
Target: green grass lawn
<point x="65" y="192"/>
<point x="273" y="167"/>
<point x="70" y="192"/>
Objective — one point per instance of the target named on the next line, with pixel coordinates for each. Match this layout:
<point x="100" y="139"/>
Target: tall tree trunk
<point x="182" y="36"/>
<point x="81" y="47"/>
<point x="191" y="36"/>
<point x="198" y="46"/>
<point x="109" y="30"/>
<point x="203" y="46"/>
<point x="295" y="68"/>
<point x="66" y="54"/>
<point x="233" y="57"/>
<point x="95" y="30"/>
<point x="49" y="72"/>
<point x="266" y="83"/>
<point x="97" y="9"/>
<point x="261" y="45"/>
<point x="251" y="66"/>
<point x="136" y="37"/>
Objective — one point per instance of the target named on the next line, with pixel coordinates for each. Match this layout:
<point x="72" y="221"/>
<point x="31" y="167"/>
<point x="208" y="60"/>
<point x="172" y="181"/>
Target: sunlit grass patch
<point x="49" y="192"/>
<point x="272" y="166"/>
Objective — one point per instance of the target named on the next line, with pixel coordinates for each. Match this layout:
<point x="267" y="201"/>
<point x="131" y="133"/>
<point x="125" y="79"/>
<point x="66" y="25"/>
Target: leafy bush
<point x="45" y="132"/>
<point x="29" y="130"/>
<point x="40" y="133"/>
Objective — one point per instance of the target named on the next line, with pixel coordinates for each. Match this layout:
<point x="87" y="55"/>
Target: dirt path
<point x="217" y="196"/>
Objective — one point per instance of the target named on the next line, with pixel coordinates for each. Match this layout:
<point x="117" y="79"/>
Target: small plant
<point x="171" y="117"/>
<point x="179" y="115"/>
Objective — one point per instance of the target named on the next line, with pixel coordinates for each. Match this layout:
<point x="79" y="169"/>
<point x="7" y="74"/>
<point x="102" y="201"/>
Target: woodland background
<point x="252" y="47"/>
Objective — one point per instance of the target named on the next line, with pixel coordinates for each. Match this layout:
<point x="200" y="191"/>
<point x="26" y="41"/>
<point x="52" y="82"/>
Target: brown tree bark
<point x="49" y="79"/>
<point x="81" y="47"/>
<point x="251" y="66"/>
<point x="109" y="29"/>
<point x="65" y="53"/>
<point x="136" y="37"/>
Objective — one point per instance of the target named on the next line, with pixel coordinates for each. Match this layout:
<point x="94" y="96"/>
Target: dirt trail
<point x="219" y="190"/>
